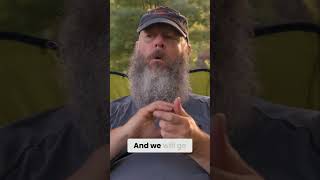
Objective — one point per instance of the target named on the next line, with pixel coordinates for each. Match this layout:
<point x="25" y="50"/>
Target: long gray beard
<point x="161" y="84"/>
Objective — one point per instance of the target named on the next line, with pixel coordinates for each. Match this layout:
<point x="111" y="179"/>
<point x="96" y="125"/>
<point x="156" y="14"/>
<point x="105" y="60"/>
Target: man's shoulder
<point x="121" y="110"/>
<point x="199" y="98"/>
<point x="121" y="101"/>
<point x="197" y="103"/>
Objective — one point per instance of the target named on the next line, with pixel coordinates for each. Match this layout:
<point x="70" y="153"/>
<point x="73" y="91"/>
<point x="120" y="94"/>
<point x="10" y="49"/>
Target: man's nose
<point x="159" y="42"/>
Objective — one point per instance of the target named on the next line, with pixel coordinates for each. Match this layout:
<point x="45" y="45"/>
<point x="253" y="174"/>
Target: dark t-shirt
<point x="284" y="145"/>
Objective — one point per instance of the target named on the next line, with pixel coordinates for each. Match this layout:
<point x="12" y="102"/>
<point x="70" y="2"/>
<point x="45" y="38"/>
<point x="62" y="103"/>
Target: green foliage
<point x="125" y="17"/>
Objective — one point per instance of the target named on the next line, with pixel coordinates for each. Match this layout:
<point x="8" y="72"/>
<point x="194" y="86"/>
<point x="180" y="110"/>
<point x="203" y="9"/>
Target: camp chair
<point x="48" y="142"/>
<point x="28" y="76"/>
<point x="119" y="85"/>
<point x="288" y="64"/>
<point x="199" y="81"/>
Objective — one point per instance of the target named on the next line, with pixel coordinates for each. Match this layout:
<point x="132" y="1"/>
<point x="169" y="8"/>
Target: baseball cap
<point x="166" y="15"/>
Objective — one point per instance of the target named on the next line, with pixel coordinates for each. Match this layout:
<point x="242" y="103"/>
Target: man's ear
<point x="137" y="45"/>
<point x="189" y="49"/>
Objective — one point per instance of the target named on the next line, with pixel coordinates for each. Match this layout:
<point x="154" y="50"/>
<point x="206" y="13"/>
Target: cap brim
<point x="161" y="20"/>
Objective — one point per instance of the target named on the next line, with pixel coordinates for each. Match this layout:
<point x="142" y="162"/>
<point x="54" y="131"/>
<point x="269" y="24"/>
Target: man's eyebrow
<point x="147" y="30"/>
<point x="171" y="31"/>
<point x="168" y="30"/>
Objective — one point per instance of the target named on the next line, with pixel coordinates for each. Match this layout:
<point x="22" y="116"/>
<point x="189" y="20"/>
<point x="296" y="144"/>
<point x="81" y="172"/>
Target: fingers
<point x="160" y="105"/>
<point x="169" y="130"/>
<point x="175" y="130"/>
<point x="166" y="126"/>
<point x="175" y="126"/>
<point x="172" y="117"/>
<point x="166" y="134"/>
<point x="177" y="107"/>
<point x="172" y="124"/>
<point x="167" y="116"/>
<point x="157" y="105"/>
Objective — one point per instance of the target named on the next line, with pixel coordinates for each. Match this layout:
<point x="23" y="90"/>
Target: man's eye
<point x="172" y="37"/>
<point x="149" y="35"/>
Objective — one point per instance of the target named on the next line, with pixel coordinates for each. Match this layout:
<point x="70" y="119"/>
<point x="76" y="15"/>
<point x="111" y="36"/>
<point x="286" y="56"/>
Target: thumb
<point x="177" y="107"/>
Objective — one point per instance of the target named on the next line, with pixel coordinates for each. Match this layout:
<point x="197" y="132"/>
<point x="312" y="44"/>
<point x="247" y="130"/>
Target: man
<point x="160" y="89"/>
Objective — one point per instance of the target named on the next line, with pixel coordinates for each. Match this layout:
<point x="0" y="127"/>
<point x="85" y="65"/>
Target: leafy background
<point x="124" y="19"/>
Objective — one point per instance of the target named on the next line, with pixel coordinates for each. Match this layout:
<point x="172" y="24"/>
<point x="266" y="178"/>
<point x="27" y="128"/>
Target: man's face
<point x="159" y="42"/>
<point x="159" y="66"/>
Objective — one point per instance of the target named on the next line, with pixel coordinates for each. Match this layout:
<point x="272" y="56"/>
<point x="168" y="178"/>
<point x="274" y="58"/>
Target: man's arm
<point x="118" y="140"/>
<point x="201" y="151"/>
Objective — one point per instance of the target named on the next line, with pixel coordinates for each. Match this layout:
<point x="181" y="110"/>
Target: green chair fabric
<point x="119" y="85"/>
<point x="288" y="66"/>
<point x="29" y="81"/>
<point x="200" y="81"/>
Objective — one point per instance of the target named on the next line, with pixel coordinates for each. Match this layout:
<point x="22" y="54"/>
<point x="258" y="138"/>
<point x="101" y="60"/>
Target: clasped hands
<point x="174" y="122"/>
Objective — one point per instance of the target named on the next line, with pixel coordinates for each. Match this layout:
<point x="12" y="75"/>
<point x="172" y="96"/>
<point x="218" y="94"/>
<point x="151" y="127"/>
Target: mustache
<point x="157" y="54"/>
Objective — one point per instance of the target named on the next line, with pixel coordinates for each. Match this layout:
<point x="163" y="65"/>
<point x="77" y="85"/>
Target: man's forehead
<point x="162" y="27"/>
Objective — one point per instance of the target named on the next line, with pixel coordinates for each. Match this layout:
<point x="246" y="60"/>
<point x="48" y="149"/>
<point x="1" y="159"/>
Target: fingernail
<point x="179" y="100"/>
<point x="155" y="113"/>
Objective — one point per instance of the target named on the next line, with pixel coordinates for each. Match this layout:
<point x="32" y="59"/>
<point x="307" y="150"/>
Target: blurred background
<point x="32" y="17"/>
<point x="29" y="70"/>
<point x="124" y="20"/>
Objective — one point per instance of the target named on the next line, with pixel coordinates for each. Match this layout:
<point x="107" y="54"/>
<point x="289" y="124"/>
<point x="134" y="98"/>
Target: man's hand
<point x="179" y="124"/>
<point x="142" y="124"/>
<point x="227" y="164"/>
